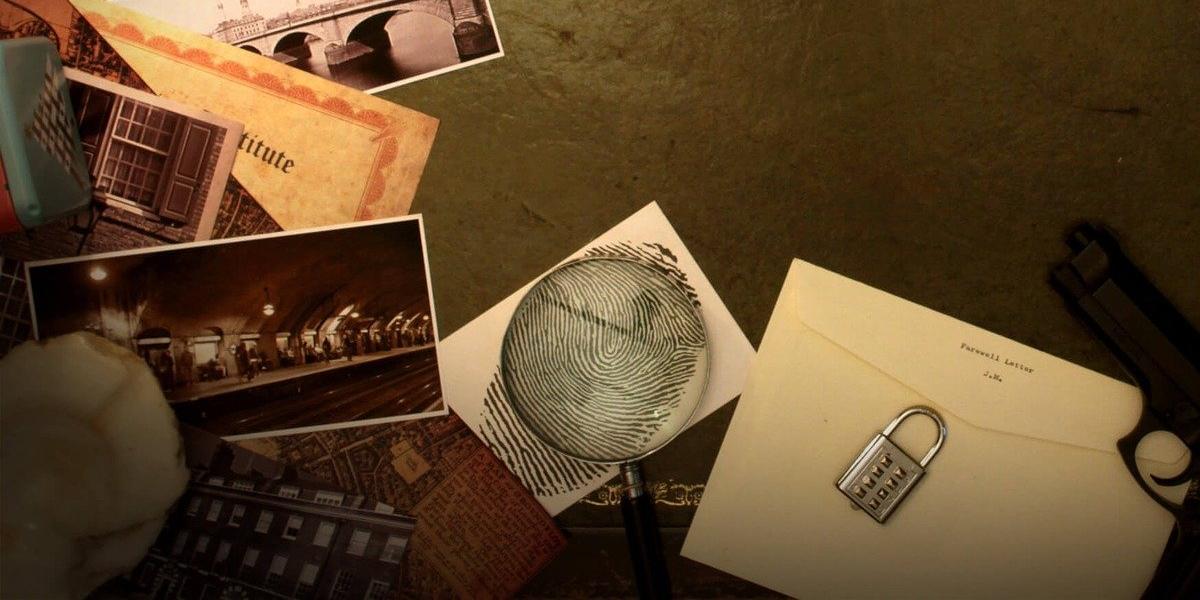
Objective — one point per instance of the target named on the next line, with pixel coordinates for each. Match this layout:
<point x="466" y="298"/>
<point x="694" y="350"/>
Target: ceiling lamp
<point x="268" y="309"/>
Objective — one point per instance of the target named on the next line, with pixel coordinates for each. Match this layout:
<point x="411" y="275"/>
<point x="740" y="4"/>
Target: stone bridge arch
<point x="294" y="40"/>
<point x="259" y="46"/>
<point x="369" y="27"/>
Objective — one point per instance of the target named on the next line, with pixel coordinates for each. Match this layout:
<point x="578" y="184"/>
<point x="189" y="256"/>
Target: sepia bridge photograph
<point x="368" y="45"/>
<point x="283" y="333"/>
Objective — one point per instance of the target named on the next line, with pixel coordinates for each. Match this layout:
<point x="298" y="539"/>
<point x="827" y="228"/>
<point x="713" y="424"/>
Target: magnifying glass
<point x="605" y="361"/>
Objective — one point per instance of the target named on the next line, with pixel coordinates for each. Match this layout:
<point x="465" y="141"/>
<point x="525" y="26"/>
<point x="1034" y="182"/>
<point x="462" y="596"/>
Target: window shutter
<point x="93" y="110"/>
<point x="183" y="180"/>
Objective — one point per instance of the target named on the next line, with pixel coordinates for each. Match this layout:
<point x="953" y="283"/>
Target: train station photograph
<point x="266" y="335"/>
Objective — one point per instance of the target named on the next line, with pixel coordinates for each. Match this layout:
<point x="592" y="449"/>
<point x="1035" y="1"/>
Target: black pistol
<point x="1160" y="349"/>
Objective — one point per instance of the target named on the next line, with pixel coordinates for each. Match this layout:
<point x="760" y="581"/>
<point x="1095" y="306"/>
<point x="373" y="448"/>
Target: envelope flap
<point x="995" y="515"/>
<point x="985" y="379"/>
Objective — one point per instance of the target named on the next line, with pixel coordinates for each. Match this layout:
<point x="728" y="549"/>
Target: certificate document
<point x="313" y="152"/>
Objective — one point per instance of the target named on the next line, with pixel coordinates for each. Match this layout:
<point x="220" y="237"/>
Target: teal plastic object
<point x="45" y="173"/>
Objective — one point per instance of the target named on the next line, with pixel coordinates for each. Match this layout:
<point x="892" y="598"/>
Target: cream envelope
<point x="1027" y="498"/>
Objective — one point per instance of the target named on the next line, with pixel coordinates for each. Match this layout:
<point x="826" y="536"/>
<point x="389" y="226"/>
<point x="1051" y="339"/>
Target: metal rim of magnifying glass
<point x="504" y="377"/>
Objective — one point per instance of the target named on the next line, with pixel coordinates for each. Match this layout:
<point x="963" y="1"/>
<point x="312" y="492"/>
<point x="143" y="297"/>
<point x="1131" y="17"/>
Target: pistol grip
<point x="1127" y="446"/>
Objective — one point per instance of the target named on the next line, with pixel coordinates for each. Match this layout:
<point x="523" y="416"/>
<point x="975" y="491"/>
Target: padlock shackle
<point x="929" y="412"/>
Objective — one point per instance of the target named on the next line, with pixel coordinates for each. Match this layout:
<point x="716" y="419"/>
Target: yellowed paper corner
<point x="314" y="153"/>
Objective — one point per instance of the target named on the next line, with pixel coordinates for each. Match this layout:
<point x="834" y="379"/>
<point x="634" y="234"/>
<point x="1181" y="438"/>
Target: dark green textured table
<point x="936" y="152"/>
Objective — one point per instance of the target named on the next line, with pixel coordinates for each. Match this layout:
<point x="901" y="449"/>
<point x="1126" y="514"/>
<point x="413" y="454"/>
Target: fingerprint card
<point x="474" y="387"/>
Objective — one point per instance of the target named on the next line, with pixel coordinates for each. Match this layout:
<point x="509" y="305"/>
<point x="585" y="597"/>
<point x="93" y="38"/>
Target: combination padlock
<point x="883" y="474"/>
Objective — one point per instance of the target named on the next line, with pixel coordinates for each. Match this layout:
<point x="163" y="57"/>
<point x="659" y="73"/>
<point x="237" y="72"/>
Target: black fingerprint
<point x="544" y="471"/>
<point x="653" y="255"/>
<point x="599" y="356"/>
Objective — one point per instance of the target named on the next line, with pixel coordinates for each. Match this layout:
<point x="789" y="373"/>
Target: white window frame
<point x="330" y="498"/>
<point x="296" y="522"/>
<point x="308" y="573"/>
<point x="358" y="542"/>
<point x="395" y="544"/>
<point x="214" y="510"/>
<point x="324" y="535"/>
<point x="236" y="515"/>
<point x="265" y="519"/>
<point x="377" y="590"/>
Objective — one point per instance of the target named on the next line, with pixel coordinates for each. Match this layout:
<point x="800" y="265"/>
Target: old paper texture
<point x="361" y="155"/>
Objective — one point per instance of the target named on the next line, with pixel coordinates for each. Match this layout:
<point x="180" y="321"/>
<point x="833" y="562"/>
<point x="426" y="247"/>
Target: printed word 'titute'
<point x="276" y="158"/>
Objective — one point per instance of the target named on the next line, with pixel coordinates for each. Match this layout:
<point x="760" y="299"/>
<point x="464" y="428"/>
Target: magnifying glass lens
<point x="605" y="359"/>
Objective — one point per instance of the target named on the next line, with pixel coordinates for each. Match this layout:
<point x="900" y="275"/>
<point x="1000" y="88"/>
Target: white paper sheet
<point x="470" y="361"/>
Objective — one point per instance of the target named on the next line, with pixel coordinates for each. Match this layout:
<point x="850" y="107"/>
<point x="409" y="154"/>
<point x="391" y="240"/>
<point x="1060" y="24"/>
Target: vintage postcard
<point x="158" y="167"/>
<point x="313" y="152"/>
<point x="265" y="335"/>
<point x="474" y="390"/>
<point x="159" y="170"/>
<point x="369" y="45"/>
<point x="249" y="526"/>
<point x="83" y="48"/>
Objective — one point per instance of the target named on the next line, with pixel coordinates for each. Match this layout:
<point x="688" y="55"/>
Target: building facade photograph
<point x="158" y="170"/>
<point x="249" y="527"/>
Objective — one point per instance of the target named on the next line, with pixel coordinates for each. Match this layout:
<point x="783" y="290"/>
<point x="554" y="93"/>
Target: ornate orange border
<point x="389" y="148"/>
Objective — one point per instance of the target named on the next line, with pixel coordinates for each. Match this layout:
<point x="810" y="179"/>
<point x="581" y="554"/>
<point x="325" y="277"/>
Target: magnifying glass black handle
<point x="645" y="543"/>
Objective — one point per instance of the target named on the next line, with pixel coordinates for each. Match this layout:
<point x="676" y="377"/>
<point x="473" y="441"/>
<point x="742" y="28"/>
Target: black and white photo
<point x="276" y="334"/>
<point x="369" y="45"/>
